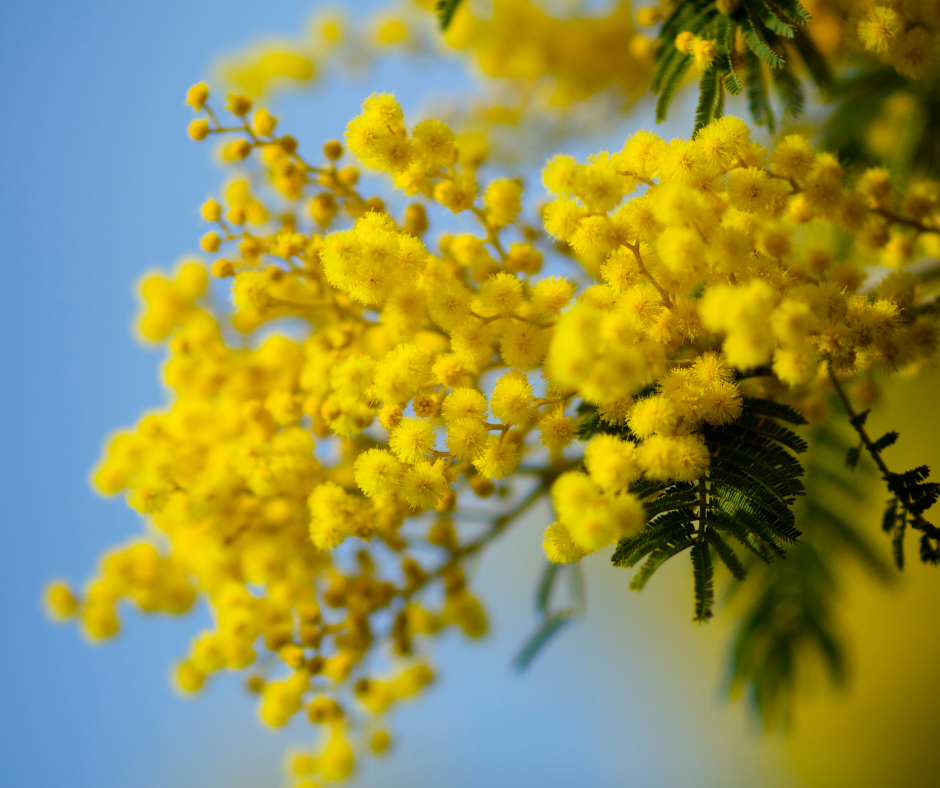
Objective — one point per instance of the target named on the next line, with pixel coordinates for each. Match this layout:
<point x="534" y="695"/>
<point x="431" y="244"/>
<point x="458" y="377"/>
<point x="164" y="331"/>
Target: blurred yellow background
<point x="883" y="730"/>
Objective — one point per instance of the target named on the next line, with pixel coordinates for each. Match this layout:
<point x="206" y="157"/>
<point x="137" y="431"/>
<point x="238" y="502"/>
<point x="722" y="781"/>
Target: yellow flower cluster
<point x="316" y="486"/>
<point x="571" y="55"/>
<point x="730" y="248"/>
<point x="901" y="33"/>
<point x="579" y="54"/>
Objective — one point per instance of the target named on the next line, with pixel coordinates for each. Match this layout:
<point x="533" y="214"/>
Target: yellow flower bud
<point x="237" y="150"/>
<point x="222" y="269"/>
<point x="263" y="123"/>
<point x="211" y="211"/>
<point x="333" y="150"/>
<point x="60" y="603"/>
<point x="210" y="242"/>
<point x="197" y="95"/>
<point x="239" y="104"/>
<point x="198" y="130"/>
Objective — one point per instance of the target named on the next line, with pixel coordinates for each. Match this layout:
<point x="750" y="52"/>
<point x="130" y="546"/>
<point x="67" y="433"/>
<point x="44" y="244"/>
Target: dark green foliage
<point x="912" y="493"/>
<point x="812" y="58"/>
<point x="719" y="110"/>
<point x="787" y="605"/>
<point x="733" y="83"/>
<point x="771" y="30"/>
<point x="445" y="11"/>
<point x="790" y="91"/>
<point x="886" y="440"/>
<point x="758" y="101"/>
<point x="703" y="575"/>
<point x="858" y="420"/>
<point x="793" y="10"/>
<point x="751" y="29"/>
<point x="709" y="88"/>
<point x="929" y="551"/>
<point x="673" y="81"/>
<point x="726" y="554"/>
<point x="788" y="620"/>
<point x="852" y="456"/>
<point x="747" y="513"/>
<point x="771" y="20"/>
<point x="776" y="410"/>
<point x="746" y="497"/>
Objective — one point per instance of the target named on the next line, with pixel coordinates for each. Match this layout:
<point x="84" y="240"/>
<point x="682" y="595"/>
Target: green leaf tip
<point x="445" y="12"/>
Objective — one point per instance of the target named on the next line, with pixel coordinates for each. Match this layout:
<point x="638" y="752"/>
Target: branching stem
<point x="492" y="236"/>
<point x="895" y="219"/>
<point x="857" y="424"/>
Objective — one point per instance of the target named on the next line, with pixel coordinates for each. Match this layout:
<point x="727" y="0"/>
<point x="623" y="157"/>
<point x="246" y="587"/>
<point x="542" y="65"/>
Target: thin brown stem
<point x="857" y="424"/>
<point x="635" y="248"/>
<point x="895" y="219"/>
<point x="492" y="236"/>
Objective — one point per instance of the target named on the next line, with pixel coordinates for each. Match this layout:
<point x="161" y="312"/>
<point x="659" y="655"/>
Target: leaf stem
<point x="702" y="508"/>
<point x="855" y="421"/>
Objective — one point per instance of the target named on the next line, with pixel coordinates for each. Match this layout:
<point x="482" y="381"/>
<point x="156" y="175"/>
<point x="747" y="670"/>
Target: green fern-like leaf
<point x="772" y="31"/>
<point x="733" y="83"/>
<point x="759" y="42"/>
<point x="886" y="440"/>
<point x="793" y="11"/>
<point x="813" y="59"/>
<point x="757" y="100"/>
<point x="709" y="91"/>
<point x="913" y="493"/>
<point x="787" y="618"/>
<point x="852" y="456"/>
<point x="670" y="85"/>
<point x="653" y="561"/>
<point x="724" y="34"/>
<point x="552" y="621"/>
<point x="772" y="21"/>
<point x="746" y="497"/>
<point x="445" y="12"/>
<point x="790" y="92"/>
<point x="720" y="100"/>
<point x="776" y="410"/>
<point x="929" y="550"/>
<point x="728" y="557"/>
<point x="703" y="575"/>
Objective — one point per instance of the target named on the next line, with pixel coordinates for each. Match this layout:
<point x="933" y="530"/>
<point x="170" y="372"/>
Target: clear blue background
<point x="99" y="182"/>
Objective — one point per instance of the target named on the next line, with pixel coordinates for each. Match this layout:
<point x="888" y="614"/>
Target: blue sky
<point x="101" y="183"/>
